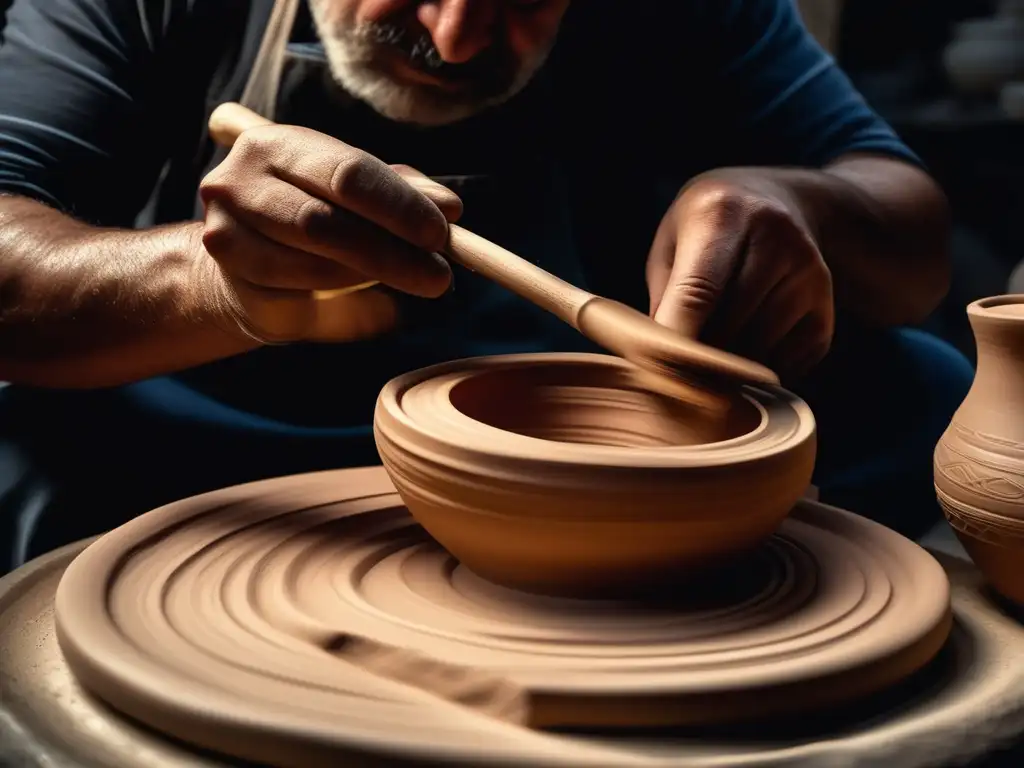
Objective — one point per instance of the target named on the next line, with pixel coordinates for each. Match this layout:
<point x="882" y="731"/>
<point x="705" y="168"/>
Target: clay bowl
<point x="561" y="474"/>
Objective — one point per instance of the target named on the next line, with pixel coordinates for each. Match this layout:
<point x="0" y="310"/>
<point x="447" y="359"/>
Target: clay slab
<point x="972" y="702"/>
<point x="338" y="711"/>
<point x="973" y="699"/>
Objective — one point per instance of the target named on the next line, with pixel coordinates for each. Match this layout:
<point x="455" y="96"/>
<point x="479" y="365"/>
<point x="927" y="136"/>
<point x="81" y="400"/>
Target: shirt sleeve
<point x="786" y="93"/>
<point x="85" y="97"/>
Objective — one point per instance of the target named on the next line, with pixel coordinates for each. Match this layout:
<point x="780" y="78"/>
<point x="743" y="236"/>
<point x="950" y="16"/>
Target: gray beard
<point x="350" y="53"/>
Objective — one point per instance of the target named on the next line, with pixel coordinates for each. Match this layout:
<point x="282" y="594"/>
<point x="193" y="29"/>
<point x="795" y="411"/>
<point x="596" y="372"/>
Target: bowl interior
<point x="594" y="404"/>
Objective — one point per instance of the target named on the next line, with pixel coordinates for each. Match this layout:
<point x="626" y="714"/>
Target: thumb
<point x="702" y="267"/>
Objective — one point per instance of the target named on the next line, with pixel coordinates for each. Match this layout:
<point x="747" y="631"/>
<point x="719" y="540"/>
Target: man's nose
<point x="460" y="29"/>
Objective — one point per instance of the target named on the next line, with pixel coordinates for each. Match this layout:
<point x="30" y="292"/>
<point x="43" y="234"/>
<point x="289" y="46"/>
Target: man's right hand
<point x="291" y="212"/>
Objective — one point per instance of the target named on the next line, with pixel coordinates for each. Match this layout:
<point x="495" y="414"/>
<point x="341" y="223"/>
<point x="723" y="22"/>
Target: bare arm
<point x="84" y="307"/>
<point x="882" y="226"/>
<point x="879" y="221"/>
<point x="763" y="260"/>
<point x="90" y="307"/>
<point x="290" y="215"/>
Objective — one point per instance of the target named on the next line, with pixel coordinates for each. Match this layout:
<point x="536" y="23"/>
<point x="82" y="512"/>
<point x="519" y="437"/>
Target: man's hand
<point x="291" y="212"/>
<point x="734" y="263"/>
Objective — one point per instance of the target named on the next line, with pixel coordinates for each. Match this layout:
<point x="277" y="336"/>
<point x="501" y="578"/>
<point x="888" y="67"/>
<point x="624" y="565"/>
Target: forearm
<point x="83" y="307"/>
<point x="883" y="229"/>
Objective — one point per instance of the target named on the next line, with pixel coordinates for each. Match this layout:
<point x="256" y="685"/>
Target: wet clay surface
<point x="215" y="619"/>
<point x="964" y="705"/>
<point x="564" y="474"/>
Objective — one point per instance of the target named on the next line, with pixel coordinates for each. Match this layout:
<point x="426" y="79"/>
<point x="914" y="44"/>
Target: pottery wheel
<point x="213" y="620"/>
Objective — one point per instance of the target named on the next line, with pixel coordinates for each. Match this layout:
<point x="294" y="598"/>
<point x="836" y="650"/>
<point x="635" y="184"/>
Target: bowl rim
<point x="471" y="440"/>
<point x="991" y="307"/>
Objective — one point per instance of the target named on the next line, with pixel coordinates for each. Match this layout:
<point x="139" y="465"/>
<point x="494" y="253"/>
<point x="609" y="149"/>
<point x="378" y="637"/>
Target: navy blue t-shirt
<point x="97" y="97"/>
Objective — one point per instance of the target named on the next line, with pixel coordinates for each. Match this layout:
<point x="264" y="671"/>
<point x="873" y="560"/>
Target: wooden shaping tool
<point x="681" y="366"/>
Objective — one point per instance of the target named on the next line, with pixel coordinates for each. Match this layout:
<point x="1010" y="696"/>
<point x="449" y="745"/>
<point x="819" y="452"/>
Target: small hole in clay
<point x="592" y="404"/>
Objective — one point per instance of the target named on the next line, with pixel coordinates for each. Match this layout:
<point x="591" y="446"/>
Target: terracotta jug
<point x="979" y="461"/>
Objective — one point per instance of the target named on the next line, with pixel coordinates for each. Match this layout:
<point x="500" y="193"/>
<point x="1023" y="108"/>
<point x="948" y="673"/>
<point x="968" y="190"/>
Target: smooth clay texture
<point x="215" y="620"/>
<point x="979" y="461"/>
<point x="563" y="474"/>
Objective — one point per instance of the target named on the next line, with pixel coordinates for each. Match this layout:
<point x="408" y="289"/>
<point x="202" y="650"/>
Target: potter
<point x="171" y="319"/>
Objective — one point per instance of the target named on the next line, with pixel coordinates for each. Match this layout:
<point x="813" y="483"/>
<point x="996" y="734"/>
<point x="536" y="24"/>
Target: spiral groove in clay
<point x="214" y="620"/>
<point x="563" y="474"/>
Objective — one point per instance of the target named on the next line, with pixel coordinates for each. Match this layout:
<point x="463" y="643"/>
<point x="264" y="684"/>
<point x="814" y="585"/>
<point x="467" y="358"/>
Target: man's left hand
<point x="735" y="263"/>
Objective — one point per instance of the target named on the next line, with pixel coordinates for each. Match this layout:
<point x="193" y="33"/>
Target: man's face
<point x="433" y="62"/>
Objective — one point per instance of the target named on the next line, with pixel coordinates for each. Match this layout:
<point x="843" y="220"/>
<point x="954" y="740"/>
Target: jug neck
<point x="997" y="394"/>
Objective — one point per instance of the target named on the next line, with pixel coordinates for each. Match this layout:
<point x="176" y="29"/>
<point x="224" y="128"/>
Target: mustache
<point x="419" y="49"/>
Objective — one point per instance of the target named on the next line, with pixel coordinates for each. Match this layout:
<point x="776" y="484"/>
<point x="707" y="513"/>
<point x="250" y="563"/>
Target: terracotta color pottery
<point x="979" y="462"/>
<point x="222" y="621"/>
<point x="966" y="705"/>
<point x="563" y="474"/>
